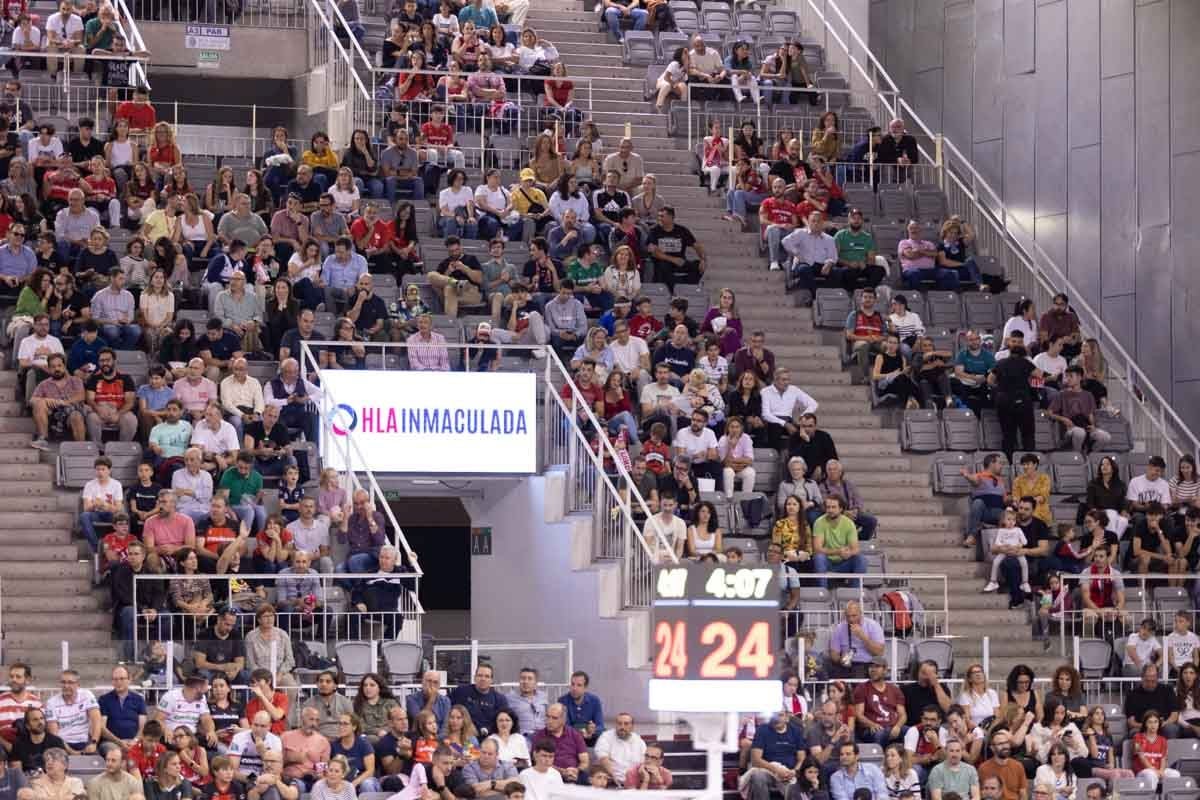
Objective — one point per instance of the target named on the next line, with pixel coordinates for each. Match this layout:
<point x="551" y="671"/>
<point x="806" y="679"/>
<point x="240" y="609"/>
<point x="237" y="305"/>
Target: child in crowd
<point x="290" y="494"/>
<point x="1007" y="543"/>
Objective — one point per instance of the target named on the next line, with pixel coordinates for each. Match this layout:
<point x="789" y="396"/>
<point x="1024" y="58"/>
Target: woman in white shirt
<point x="533" y="50"/>
<point x="496" y="215"/>
<point x="1056" y="772"/>
<point x="156" y="307"/>
<point x="567" y="195"/>
<point x="1024" y="319"/>
<point x="898" y="774"/>
<point x="504" y="55"/>
<point x="621" y="278"/>
<point x="195" y="229"/>
<point x="907" y="325"/>
<point x="980" y="701"/>
<point x="456" y="207"/>
<point x="673" y="80"/>
<point x="512" y="745"/>
<point x="345" y="192"/>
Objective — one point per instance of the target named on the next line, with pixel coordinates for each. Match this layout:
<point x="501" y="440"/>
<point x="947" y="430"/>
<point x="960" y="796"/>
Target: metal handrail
<point x="129" y="30"/>
<point x="1037" y="267"/>
<point x="315" y="5"/>
<point x="351" y="440"/>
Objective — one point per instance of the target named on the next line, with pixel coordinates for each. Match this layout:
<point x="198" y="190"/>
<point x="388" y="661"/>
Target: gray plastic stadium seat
<point x="936" y="650"/>
<point x="1094" y="657"/>
<point x="403" y="660"/>
<point x="75" y="463"/>
<point x="830" y="308"/>
<point x="888" y="236"/>
<point x="1134" y="789"/>
<point x="198" y="316"/>
<point x="766" y="469"/>
<point x="1118" y="428"/>
<point x="989" y="427"/>
<point x="895" y="202"/>
<point x="1069" y="471"/>
<point x="1132" y="464"/>
<point x="85" y="766"/>
<point x="942" y="339"/>
<point x="667" y="44"/>
<point x="947" y="476"/>
<point x="687" y="18"/>
<point x="930" y="204"/>
<point x="694" y="293"/>
<point x="960" y="429"/>
<point x="1045" y="432"/>
<point x="1183" y="787"/>
<point x="871" y="753"/>
<point x="920" y="431"/>
<point x="862" y="197"/>
<point x="724" y="506"/>
<point x="639" y="48"/>
<point x="750" y="24"/>
<point x="783" y="23"/>
<point x="945" y="310"/>
<point x="354" y="658"/>
<point x="980" y="312"/>
<point x="715" y="22"/>
<point x="125" y="458"/>
<point x="262" y="370"/>
<point x="1169" y="599"/>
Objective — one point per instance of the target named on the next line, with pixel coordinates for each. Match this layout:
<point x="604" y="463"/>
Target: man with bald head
<point x="430" y="698"/>
<point x="305" y="750"/>
<point x="248" y="747"/>
<point x="294" y="396"/>
<point x="241" y="396"/>
<point x="570" y="751"/>
<point x="487" y="775"/>
<point x="854" y="642"/>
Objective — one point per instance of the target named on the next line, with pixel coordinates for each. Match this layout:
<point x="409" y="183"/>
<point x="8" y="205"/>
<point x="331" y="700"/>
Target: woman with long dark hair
<point x="406" y="249"/>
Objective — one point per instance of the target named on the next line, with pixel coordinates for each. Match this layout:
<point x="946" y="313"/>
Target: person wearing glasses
<point x="74" y="715"/>
<point x="627" y="164"/>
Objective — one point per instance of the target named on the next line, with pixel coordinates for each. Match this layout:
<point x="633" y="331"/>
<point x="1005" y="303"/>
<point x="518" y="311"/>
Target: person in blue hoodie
<point x="84" y="357"/>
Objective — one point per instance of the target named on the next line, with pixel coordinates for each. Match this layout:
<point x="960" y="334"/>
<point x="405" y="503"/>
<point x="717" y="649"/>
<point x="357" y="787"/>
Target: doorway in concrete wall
<point x="438" y="530"/>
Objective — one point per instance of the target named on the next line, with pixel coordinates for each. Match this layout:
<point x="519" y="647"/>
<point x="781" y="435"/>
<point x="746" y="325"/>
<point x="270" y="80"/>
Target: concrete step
<point x="26" y="471"/>
<point x="888" y="492"/>
<point x="22" y="585"/>
<point x="849" y="449"/>
<point x="897" y="520"/>
<point x="43" y="622"/>
<point x="34" y="536"/>
<point x="912" y="507"/>
<point x="844" y="420"/>
<point x="12" y="408"/>
<point x="846" y="393"/>
<point x="858" y="435"/>
<point x="16" y="489"/>
<point x="857" y="467"/>
<point x="890" y="538"/>
<point x="16" y="425"/>
<point x="803" y="377"/>
<point x="539" y="16"/>
<point x="38" y="552"/>
<point x="33" y="569"/>
<point x="866" y="476"/>
<point x="8" y="377"/>
<point x="15" y="440"/>
<point x="20" y="604"/>
<point x="52" y="636"/>
<point x="934" y="564"/>
<point x="32" y="503"/>
<point x="23" y="519"/>
<point x="19" y="455"/>
<point x="46" y="660"/>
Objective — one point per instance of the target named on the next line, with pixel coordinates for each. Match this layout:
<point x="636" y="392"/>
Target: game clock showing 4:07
<point x="714" y="639"/>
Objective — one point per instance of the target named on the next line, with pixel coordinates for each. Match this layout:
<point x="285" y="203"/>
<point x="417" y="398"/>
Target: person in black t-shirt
<point x="927" y="691"/>
<point x="1013" y="397"/>
<point x="143" y="497"/>
<point x="1151" y="694"/>
<point x="30" y="744"/>
<point x="10" y="146"/>
<point x="270" y="441"/>
<point x="84" y="147"/>
<point x="540" y="272"/>
<point x="221" y="651"/>
<point x="223" y="786"/>
<point x="1150" y="549"/>
<point x="1095" y="524"/>
<point x="668" y="244"/>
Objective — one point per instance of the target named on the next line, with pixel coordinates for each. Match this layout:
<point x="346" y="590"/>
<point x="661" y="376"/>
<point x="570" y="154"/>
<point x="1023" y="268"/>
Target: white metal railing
<point x="1139" y="603"/>
<point x="352" y="455"/>
<point x="1153" y="419"/>
<point x="75" y="80"/>
<point x="127" y="25"/>
<point x="256" y="13"/>
<point x="334" y="619"/>
<point x="930" y="620"/>
<point x="597" y="480"/>
<point x="343" y="91"/>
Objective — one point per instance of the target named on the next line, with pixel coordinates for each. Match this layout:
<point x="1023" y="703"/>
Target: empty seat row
<point x="644" y="47"/>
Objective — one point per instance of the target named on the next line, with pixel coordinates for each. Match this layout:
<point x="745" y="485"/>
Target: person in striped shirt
<point x="15" y="701"/>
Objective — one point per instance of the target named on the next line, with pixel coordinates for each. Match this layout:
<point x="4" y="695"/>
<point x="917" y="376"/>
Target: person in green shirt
<point x="498" y="276"/>
<point x="99" y="31"/>
<point x="953" y="775"/>
<point x="835" y="540"/>
<point x="856" y="254"/>
<point x="243" y="487"/>
<point x="586" y="270"/>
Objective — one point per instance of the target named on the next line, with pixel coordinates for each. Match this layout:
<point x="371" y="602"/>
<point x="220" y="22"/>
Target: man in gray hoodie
<point x="565" y="319"/>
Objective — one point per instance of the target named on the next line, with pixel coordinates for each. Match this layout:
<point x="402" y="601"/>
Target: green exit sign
<point x="208" y="59"/>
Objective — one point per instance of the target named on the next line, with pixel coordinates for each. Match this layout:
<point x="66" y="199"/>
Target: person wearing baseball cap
<point x="530" y="201"/>
<point x="483" y="358"/>
<point x="856" y="252"/>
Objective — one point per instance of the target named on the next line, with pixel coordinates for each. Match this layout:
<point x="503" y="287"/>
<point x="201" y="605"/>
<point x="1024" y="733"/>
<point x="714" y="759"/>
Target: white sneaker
<point x="775" y="266"/>
<point x="1026" y="588"/>
<point x="991" y="586"/>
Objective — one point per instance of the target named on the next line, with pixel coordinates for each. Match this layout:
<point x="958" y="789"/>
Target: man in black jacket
<point x="151" y="597"/>
<point x="815" y="446"/>
<point x="383" y="591"/>
<point x="898" y="147"/>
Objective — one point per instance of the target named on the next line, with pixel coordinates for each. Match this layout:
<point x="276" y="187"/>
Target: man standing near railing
<point x="363" y="530"/>
<point x="64" y="34"/>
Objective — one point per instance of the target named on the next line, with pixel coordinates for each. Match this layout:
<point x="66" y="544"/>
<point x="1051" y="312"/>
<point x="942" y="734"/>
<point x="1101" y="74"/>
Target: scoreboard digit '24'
<point x="715" y="638"/>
